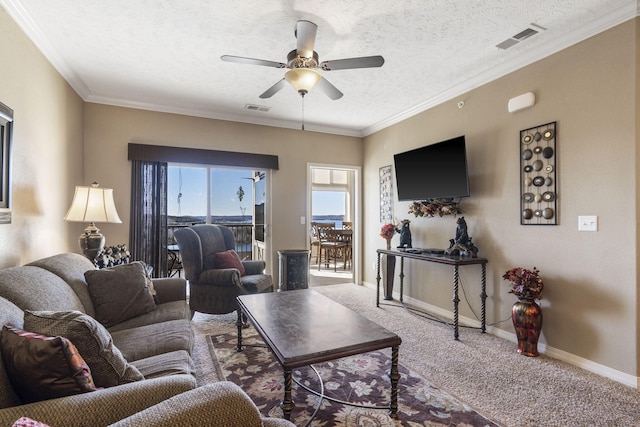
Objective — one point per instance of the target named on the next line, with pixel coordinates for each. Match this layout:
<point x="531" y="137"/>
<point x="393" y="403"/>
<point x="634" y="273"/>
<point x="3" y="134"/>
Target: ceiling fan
<point x="303" y="63"/>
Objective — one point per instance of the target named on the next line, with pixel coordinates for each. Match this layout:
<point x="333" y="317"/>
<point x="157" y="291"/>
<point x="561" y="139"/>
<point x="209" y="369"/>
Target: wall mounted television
<point x="436" y="171"/>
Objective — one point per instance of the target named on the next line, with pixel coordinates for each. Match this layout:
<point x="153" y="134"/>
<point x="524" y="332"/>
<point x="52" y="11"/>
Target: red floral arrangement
<point x="525" y="283"/>
<point x="387" y="231"/>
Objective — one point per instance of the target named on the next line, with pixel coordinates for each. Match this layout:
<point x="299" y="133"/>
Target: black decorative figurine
<point x="405" y="234"/>
<point x="462" y="244"/>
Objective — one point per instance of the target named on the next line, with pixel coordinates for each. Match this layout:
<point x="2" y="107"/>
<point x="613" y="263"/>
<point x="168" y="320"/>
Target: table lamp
<point x="92" y="204"/>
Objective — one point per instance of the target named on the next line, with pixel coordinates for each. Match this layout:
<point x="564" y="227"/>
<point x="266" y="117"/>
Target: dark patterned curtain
<point x="148" y="224"/>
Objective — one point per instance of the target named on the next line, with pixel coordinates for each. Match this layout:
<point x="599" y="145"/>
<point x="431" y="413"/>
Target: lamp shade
<point x="302" y="79"/>
<point x="93" y="204"/>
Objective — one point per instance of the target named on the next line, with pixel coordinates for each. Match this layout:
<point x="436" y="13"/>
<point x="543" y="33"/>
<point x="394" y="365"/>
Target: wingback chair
<point x="213" y="289"/>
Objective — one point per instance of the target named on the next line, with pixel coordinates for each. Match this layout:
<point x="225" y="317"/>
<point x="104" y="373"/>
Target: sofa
<point x="146" y="375"/>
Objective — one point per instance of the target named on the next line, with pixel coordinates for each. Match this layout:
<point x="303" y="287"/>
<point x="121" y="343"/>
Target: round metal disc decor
<point x="538" y="175"/>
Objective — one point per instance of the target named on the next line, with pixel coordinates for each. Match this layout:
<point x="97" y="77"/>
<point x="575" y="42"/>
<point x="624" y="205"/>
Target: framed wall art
<point x="538" y="175"/>
<point x="386" y="195"/>
<point x="6" y="133"/>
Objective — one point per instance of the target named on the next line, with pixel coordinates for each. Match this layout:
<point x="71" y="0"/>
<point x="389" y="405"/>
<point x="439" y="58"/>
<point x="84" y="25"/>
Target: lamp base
<point x="91" y="242"/>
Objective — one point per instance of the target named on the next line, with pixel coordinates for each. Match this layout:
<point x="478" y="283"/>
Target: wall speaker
<point x="521" y="102"/>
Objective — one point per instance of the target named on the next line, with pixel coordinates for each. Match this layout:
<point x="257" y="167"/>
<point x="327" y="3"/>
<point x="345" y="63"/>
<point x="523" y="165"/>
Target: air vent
<point x="525" y="34"/>
<point x="507" y="44"/>
<point x="253" y="107"/>
<point x="522" y="35"/>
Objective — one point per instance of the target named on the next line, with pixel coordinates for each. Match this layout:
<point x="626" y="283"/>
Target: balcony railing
<point x="242" y="232"/>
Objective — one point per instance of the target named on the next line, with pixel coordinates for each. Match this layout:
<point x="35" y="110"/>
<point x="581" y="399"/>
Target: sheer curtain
<point x="148" y="224"/>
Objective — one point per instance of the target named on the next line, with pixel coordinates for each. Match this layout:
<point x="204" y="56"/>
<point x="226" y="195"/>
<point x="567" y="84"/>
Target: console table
<point x="453" y="260"/>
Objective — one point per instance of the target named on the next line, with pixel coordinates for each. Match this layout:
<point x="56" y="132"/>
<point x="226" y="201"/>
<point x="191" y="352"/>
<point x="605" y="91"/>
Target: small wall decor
<point x="386" y="193"/>
<point x="434" y="207"/>
<point x="6" y="133"/>
<point x="538" y="160"/>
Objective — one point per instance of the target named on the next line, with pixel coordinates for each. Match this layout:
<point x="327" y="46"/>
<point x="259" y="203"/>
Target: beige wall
<point x="589" y="302"/>
<point x="47" y="150"/>
<point x="108" y="130"/>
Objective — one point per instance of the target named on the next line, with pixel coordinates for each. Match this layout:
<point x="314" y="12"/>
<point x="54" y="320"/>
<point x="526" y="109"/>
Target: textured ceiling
<point x="164" y="55"/>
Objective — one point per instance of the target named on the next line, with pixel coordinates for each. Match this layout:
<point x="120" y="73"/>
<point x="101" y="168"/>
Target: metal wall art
<point x="386" y="193"/>
<point x="538" y="161"/>
<point x="6" y="132"/>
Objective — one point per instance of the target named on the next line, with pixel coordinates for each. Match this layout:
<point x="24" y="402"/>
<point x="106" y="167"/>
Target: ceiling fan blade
<point x="306" y="34"/>
<point x="274" y="89"/>
<point x="330" y="90"/>
<point x="252" y="61"/>
<point x="346" y="64"/>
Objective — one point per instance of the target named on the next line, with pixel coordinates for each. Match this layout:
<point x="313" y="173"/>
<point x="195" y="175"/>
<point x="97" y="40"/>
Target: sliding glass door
<point x="219" y="195"/>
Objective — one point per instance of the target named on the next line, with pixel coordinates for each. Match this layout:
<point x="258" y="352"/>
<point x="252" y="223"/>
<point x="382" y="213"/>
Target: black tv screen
<point x="436" y="171"/>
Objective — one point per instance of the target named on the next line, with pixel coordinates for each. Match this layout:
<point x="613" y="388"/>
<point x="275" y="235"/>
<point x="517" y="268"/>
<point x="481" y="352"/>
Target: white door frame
<point x="356" y="206"/>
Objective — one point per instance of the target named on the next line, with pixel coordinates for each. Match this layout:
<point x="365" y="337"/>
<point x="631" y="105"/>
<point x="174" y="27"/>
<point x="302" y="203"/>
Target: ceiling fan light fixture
<point x="302" y="79"/>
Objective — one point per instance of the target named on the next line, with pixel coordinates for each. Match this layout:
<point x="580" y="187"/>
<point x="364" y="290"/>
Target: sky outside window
<point x="191" y="183"/>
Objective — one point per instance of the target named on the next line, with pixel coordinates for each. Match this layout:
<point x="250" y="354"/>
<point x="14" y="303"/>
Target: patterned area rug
<point x="361" y="379"/>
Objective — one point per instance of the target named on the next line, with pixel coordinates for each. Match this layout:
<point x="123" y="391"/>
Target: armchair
<point x="213" y="290"/>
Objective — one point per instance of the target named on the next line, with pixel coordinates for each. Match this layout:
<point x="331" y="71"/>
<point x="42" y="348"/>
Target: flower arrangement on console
<point x="387" y="231"/>
<point x="434" y="207"/>
<point x="525" y="284"/>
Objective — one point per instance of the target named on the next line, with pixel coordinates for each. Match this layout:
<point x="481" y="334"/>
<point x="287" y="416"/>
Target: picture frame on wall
<point x="386" y="195"/>
<point x="6" y="139"/>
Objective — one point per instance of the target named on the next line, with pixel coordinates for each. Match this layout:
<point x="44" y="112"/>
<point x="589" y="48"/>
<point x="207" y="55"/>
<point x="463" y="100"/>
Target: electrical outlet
<point x="588" y="223"/>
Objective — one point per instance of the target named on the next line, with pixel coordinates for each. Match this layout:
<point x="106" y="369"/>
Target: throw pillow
<point x="43" y="367"/>
<point x="119" y="293"/>
<point x="108" y="366"/>
<point x="28" y="422"/>
<point x="229" y="259"/>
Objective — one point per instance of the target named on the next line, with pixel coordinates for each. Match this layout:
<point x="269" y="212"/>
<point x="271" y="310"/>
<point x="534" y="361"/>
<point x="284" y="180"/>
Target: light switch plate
<point x="588" y="223"/>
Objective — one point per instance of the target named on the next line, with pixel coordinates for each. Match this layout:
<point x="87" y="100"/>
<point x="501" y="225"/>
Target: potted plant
<point x="526" y="314"/>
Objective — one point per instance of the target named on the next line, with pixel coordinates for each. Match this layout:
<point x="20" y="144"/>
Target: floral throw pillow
<point x="41" y="367"/>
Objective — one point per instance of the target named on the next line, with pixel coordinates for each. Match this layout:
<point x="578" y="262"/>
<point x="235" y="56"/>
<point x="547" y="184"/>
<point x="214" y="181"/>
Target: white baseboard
<point x="605" y="371"/>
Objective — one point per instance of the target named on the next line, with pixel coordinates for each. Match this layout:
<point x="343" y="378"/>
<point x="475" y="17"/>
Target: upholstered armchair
<point x="215" y="273"/>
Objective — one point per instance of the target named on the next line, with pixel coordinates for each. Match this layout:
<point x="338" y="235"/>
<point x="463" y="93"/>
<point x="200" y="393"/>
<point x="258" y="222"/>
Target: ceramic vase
<point x="527" y="321"/>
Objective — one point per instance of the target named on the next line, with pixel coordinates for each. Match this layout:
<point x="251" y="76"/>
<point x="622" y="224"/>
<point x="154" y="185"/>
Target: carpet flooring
<point x="481" y="370"/>
<point x="362" y="379"/>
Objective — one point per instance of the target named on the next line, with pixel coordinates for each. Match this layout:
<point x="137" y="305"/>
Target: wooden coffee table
<point x="304" y="327"/>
